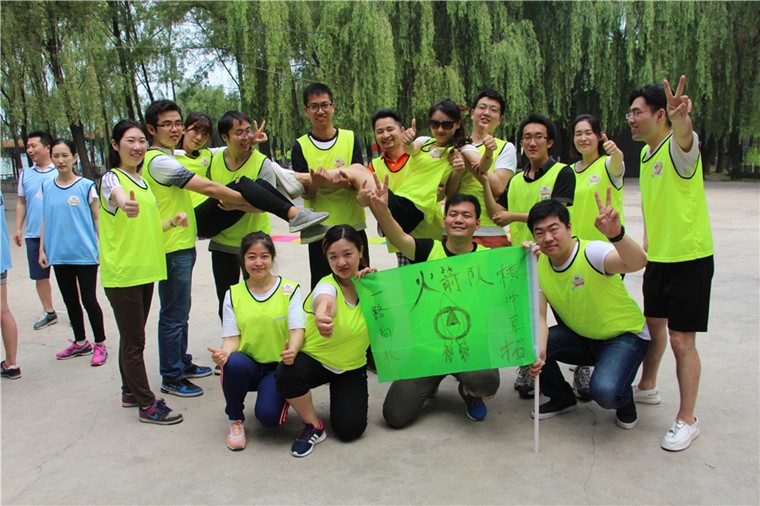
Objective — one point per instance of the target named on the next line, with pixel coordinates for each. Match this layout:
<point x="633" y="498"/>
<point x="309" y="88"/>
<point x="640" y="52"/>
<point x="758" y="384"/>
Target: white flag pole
<point x="533" y="275"/>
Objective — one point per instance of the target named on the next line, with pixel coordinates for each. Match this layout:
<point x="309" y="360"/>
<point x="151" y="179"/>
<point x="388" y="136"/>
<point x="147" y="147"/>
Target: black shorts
<point x="679" y="292"/>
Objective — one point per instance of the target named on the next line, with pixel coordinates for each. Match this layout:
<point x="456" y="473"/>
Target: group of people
<point x="161" y="195"/>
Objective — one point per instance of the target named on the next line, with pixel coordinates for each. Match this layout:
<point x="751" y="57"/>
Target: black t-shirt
<point x="423" y="247"/>
<point x="300" y="164"/>
<point x="564" y="186"/>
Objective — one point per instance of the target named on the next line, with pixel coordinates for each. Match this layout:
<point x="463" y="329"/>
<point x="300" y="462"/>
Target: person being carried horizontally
<point x="599" y="323"/>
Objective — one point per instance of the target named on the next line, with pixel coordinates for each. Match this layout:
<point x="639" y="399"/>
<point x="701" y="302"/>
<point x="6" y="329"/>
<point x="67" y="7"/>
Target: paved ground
<point x="67" y="440"/>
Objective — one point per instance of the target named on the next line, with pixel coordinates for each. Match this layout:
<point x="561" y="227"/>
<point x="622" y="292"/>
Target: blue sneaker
<point x="159" y="413"/>
<point x="197" y="371"/>
<point x="308" y="438"/>
<point x="181" y="388"/>
<point x="476" y="408"/>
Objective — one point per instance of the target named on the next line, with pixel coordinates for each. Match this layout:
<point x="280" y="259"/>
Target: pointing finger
<point x="598" y="201"/>
<point x="681" y="83"/>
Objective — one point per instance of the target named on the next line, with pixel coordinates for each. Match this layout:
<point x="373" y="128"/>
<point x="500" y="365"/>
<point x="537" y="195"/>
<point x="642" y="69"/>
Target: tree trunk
<point x="121" y="52"/>
<point x="735" y="155"/>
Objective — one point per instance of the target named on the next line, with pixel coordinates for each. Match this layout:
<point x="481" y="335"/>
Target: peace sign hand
<point x="408" y="135"/>
<point x="679" y="105"/>
<point x="608" y="221"/>
<point x="259" y="136"/>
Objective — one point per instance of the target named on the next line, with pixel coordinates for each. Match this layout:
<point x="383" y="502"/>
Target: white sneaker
<point x="651" y="396"/>
<point x="287" y="182"/>
<point x="680" y="435"/>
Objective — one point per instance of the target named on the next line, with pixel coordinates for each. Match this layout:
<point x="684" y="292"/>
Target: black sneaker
<point x="553" y="408"/>
<point x="308" y="438"/>
<point x="218" y="370"/>
<point x="10" y="372"/>
<point x="581" y="382"/>
<point x="181" y="388"/>
<point x="197" y="371"/>
<point x="159" y="413"/>
<point x="524" y="384"/>
<point x="626" y="417"/>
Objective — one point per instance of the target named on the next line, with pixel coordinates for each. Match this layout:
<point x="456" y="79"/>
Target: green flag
<point x="464" y="313"/>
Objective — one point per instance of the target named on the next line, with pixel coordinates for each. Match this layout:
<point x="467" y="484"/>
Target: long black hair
<point x="114" y="160"/>
<point x="453" y="111"/>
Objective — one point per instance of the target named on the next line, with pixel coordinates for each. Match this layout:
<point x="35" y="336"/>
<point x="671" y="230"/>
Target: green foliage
<point x="62" y="62"/>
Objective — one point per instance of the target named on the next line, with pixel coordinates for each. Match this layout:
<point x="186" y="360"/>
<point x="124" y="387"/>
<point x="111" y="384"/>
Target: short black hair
<point x="458" y="199"/>
<point x="386" y="113"/>
<point x="316" y="89"/>
<point x="493" y="95"/>
<point x="159" y="107"/>
<point x="653" y="94"/>
<point x="551" y="131"/>
<point x="546" y="209"/>
<point x="45" y="138"/>
<point x="224" y="125"/>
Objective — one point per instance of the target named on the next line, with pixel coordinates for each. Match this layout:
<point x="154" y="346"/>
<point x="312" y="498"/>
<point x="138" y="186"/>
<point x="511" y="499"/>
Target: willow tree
<point x="354" y="47"/>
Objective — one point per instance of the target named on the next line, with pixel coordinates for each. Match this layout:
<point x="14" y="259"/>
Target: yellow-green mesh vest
<point x="584" y="210"/>
<point x="424" y="230"/>
<point x="263" y="324"/>
<point x="428" y="168"/>
<point x="339" y="202"/>
<point x="131" y="249"/>
<point x="471" y="186"/>
<point x="172" y="200"/>
<point x="438" y="253"/>
<point x="198" y="166"/>
<point x="675" y="209"/>
<point x="347" y="348"/>
<point x="523" y="195"/>
<point x="588" y="302"/>
<point x="250" y="222"/>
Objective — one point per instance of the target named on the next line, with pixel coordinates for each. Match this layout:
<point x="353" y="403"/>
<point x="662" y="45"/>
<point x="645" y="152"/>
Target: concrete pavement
<point x="67" y="440"/>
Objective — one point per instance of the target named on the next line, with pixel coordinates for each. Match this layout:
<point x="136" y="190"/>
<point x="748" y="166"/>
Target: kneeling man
<point x="599" y="324"/>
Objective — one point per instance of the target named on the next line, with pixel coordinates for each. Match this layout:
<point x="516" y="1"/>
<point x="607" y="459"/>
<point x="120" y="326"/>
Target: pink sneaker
<point x="100" y="355"/>
<point x="74" y="350"/>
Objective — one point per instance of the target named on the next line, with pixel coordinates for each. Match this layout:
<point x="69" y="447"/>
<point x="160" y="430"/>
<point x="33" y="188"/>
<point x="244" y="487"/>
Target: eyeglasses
<point x="537" y="138"/>
<point x="494" y="110"/>
<point x="446" y="124"/>
<point x="243" y="133"/>
<point x="316" y="107"/>
<point x="635" y="113"/>
<point x="169" y="124"/>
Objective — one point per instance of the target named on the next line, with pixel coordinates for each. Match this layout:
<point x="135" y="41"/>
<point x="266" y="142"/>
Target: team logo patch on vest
<point x="578" y="281"/>
<point x="288" y="289"/>
<point x="340" y="163"/>
<point x="73" y="200"/>
<point x="545" y="192"/>
<point x="594" y="179"/>
<point x="657" y="169"/>
<point x="205" y="161"/>
<point x="435" y="154"/>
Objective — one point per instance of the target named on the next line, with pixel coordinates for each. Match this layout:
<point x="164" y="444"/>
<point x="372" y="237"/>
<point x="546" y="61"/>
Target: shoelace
<point x="307" y="433"/>
<point x="237" y="430"/>
<point x="676" y="427"/>
<point x="161" y="407"/>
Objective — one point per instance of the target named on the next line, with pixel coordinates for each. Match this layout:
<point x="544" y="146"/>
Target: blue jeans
<point x="615" y="364"/>
<point x="174" y="293"/>
<point x="242" y="374"/>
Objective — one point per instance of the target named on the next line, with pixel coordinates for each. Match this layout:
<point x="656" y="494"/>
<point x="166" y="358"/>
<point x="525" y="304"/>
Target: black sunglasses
<point x="446" y="125"/>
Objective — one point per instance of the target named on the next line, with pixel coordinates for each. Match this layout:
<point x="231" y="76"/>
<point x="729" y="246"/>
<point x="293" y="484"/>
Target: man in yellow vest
<point x="405" y="398"/>
<point x="169" y="181"/>
<point x="543" y="178"/>
<point x="328" y="148"/>
<point x="392" y="162"/>
<point x="599" y="323"/>
<point x="487" y="113"/>
<point x="679" y="246"/>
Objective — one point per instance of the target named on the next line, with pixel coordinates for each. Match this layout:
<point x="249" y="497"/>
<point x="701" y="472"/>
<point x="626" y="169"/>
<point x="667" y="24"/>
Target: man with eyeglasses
<point x="542" y="179"/>
<point x="168" y="180"/>
<point x="487" y="113"/>
<point x="678" y="241"/>
<point x="321" y="153"/>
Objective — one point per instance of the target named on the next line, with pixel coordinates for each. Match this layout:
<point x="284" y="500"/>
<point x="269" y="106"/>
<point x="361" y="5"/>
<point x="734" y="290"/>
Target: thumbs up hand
<point x="288" y="356"/>
<point x="408" y="135"/>
<point x="131" y="206"/>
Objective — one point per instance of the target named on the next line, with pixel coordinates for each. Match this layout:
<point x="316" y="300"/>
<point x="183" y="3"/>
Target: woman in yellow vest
<point x="334" y="350"/>
<point x="601" y="165"/>
<point x="132" y="260"/>
<point x="263" y="322"/>
<point x="194" y="154"/>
